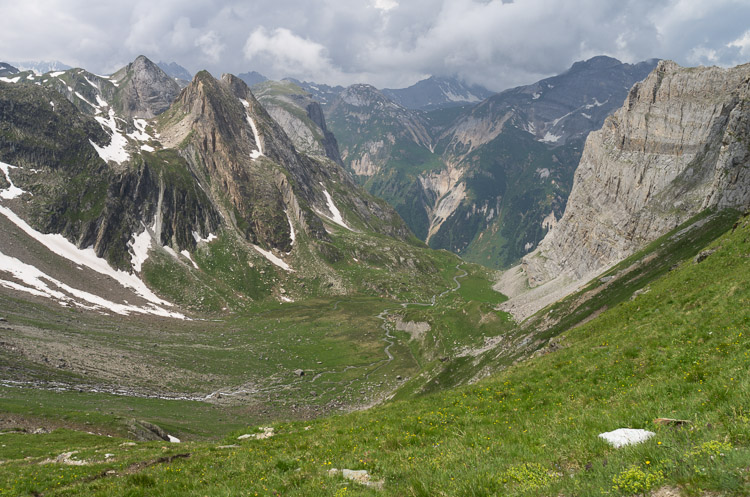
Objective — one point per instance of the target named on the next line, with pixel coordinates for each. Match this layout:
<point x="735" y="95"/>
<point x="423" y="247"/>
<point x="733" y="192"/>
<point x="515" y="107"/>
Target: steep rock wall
<point x="677" y="146"/>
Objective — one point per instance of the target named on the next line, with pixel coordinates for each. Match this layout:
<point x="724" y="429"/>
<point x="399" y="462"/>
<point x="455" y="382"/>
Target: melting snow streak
<point x="12" y="191"/>
<point x="255" y="153"/>
<point x="335" y="213"/>
<point x="273" y="259"/>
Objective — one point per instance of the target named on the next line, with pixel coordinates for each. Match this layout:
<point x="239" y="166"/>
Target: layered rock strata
<point x="676" y="147"/>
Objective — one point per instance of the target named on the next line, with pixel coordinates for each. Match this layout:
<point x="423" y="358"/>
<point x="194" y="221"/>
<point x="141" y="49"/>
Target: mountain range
<point x="484" y="180"/>
<point x="191" y="273"/>
<point x="131" y="164"/>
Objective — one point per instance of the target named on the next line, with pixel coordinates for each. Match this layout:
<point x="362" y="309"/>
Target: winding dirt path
<point x="383" y="316"/>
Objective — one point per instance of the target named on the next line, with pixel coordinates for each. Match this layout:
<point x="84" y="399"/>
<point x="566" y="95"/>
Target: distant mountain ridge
<point x="485" y="180"/>
<point x="41" y="67"/>
<point x="175" y="70"/>
<point x="252" y="78"/>
<point x="7" y="69"/>
<point x="437" y="93"/>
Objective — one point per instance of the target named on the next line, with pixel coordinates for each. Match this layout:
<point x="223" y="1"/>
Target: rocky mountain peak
<point x="146" y="90"/>
<point x="175" y="70"/>
<point x="364" y="95"/>
<point x="597" y="62"/>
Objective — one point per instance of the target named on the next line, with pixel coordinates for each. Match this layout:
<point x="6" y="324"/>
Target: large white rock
<point x="626" y="436"/>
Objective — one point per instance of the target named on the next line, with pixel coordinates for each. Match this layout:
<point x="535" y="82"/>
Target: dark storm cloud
<point x="385" y="42"/>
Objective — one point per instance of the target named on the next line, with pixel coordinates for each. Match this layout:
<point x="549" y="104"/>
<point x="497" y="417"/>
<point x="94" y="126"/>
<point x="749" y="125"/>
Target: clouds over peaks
<point x="389" y="43"/>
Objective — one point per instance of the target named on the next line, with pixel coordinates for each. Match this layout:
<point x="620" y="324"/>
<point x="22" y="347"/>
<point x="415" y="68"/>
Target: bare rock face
<point x="371" y="128"/>
<point x="145" y="90"/>
<point x="300" y="117"/>
<point x="677" y="146"/>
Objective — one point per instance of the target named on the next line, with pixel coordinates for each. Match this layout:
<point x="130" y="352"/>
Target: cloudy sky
<point x="389" y="43"/>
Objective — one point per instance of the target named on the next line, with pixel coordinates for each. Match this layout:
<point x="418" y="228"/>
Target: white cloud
<point x="743" y="43"/>
<point x="389" y="43"/>
<point x="386" y="5"/>
<point x="703" y="56"/>
<point x="288" y="53"/>
<point x="210" y="45"/>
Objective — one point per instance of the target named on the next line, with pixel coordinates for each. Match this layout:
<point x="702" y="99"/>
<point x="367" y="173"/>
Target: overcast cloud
<point x="389" y="43"/>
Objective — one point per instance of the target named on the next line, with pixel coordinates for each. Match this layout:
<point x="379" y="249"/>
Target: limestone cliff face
<point x="677" y="146"/>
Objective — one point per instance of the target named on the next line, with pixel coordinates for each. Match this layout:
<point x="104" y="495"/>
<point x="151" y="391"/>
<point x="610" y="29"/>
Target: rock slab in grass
<point x="626" y="436"/>
<point x="267" y="433"/>
<point x="360" y="476"/>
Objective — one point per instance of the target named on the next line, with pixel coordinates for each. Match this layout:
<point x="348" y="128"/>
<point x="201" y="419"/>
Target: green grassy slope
<point x="680" y="350"/>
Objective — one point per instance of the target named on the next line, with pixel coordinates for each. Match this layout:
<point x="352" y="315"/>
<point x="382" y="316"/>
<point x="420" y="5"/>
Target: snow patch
<point x="274" y="259"/>
<point x="292" y="235"/>
<point x="187" y="254"/>
<point x="535" y="96"/>
<point x="171" y="251"/>
<point x="101" y="101"/>
<point x="596" y="103"/>
<point x="335" y="213"/>
<point x="139" y="249"/>
<point x="198" y="239"/>
<point x="554" y="123"/>
<point x="626" y="436"/>
<point x="550" y="138"/>
<point x="147" y="148"/>
<point x="59" y="245"/>
<point x="140" y="131"/>
<point x="587" y="116"/>
<point x="91" y="83"/>
<point x="255" y="153"/>
<point x="12" y="191"/>
<point x="36" y="282"/>
<point x="173" y="440"/>
<point x="10" y="80"/>
<point x="115" y="151"/>
<point x="57" y="74"/>
<point x="85" y="100"/>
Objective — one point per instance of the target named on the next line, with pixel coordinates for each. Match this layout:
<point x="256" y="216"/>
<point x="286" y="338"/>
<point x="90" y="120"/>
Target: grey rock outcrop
<point x="300" y="116"/>
<point x="676" y="147"/>
<point x="145" y="90"/>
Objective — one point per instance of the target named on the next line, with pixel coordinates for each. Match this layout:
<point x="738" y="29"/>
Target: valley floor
<point x="678" y="349"/>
